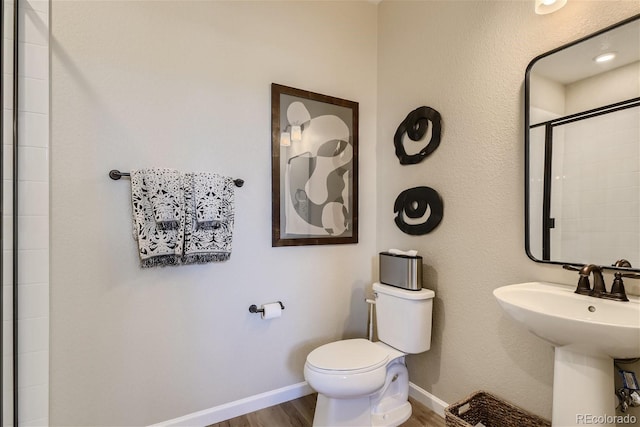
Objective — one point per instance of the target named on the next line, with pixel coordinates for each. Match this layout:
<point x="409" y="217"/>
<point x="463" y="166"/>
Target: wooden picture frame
<point x="314" y="158"/>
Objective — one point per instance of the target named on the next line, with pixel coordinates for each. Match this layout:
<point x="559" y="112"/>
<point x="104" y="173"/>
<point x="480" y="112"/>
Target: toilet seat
<point x="347" y="369"/>
<point x="348" y="357"/>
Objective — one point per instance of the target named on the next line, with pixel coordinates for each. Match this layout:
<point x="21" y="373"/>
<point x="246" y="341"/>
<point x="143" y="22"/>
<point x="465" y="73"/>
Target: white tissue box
<point x="403" y="271"/>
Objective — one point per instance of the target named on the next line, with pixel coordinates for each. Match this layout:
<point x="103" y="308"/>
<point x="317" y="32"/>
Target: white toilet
<point x="363" y="383"/>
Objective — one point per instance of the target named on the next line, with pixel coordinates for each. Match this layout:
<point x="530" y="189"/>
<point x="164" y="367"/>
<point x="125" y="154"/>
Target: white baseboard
<point x="240" y="407"/>
<point x="275" y="397"/>
<point x="427" y="399"/>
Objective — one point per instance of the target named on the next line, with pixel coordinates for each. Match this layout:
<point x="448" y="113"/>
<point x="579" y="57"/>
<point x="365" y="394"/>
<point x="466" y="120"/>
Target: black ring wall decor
<point x="415" y="125"/>
<point x="413" y="203"/>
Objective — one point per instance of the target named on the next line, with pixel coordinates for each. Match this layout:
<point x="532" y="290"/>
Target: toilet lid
<point x="348" y="355"/>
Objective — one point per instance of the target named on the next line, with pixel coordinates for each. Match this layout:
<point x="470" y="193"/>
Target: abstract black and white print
<point x="318" y="170"/>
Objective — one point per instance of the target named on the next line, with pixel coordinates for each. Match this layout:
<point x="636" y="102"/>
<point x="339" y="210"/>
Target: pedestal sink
<point x="587" y="333"/>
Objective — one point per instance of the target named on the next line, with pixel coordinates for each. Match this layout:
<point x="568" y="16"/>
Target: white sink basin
<point x="587" y="333"/>
<point x="585" y="324"/>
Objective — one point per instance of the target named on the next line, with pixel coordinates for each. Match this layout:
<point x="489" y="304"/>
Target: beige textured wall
<point x="467" y="59"/>
<point x="187" y="85"/>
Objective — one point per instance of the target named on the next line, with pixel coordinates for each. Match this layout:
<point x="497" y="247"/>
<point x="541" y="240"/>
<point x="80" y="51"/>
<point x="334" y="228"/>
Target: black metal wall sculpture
<point x="415" y="125"/>
<point x="413" y="203"/>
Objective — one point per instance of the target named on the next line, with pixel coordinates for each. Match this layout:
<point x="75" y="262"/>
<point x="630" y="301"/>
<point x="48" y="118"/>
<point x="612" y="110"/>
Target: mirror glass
<point x="582" y="136"/>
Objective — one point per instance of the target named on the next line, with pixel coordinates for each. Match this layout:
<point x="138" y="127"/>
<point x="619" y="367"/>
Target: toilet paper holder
<point x="254" y="308"/>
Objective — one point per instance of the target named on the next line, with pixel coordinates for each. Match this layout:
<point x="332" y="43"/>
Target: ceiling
<point x="575" y="62"/>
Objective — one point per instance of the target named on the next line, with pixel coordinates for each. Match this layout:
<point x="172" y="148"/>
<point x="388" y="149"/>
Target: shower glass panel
<point x="24" y="195"/>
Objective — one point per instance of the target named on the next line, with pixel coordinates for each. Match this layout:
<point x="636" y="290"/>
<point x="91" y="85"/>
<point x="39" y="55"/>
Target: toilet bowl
<point x="347" y="369"/>
<point x="359" y="383"/>
<point x="363" y="383"/>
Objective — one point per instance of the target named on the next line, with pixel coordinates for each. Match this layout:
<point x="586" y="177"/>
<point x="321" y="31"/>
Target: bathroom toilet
<point x="364" y="383"/>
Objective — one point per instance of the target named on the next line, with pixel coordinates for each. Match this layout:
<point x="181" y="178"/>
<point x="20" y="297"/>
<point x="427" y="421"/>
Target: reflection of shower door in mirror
<point x="591" y="184"/>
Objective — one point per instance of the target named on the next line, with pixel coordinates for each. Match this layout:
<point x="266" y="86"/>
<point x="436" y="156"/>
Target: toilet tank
<point x="403" y="317"/>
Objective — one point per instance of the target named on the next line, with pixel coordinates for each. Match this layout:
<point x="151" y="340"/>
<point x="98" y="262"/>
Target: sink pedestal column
<point x="583" y="390"/>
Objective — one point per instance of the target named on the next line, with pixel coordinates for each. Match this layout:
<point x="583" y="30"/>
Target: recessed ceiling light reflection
<point x="605" y="57"/>
<point x="543" y="7"/>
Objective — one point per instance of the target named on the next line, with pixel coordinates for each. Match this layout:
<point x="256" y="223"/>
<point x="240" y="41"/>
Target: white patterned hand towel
<point x="208" y="190"/>
<point x="206" y="244"/>
<point x="156" y="246"/>
<point x="166" y="196"/>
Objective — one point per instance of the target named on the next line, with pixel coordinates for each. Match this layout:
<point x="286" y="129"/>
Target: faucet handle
<point x="584" y="287"/>
<point x="617" y="288"/>
<point x="622" y="263"/>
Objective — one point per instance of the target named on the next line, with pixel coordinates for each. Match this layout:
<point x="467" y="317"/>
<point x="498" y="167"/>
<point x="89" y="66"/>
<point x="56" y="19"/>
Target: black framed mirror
<point x="582" y="150"/>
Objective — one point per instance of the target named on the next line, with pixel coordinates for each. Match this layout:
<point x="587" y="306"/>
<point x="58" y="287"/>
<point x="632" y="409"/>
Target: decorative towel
<point x="156" y="246"/>
<point x="166" y="196"/>
<point x="206" y="244"/>
<point x="208" y="189"/>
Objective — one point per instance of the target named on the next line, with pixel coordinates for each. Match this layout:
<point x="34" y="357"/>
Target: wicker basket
<point x="482" y="407"/>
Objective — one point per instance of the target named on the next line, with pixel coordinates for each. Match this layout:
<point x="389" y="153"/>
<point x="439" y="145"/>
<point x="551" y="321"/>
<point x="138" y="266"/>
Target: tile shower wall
<point x="33" y="212"/>
<point x="603" y="192"/>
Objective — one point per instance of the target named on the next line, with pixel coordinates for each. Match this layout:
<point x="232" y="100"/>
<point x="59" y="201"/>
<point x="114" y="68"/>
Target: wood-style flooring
<point x="299" y="413"/>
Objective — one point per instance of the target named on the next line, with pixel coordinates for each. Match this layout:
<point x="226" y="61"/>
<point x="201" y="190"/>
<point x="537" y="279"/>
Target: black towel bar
<point x="116" y="175"/>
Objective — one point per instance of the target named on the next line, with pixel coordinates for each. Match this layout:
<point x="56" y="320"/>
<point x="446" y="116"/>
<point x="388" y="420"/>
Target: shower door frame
<point x="14" y="248"/>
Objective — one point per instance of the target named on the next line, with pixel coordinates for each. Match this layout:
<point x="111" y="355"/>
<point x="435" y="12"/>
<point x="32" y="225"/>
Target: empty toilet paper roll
<point x="271" y="310"/>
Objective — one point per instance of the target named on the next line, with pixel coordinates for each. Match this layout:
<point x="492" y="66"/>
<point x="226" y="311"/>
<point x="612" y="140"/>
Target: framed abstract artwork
<point x="314" y="158"/>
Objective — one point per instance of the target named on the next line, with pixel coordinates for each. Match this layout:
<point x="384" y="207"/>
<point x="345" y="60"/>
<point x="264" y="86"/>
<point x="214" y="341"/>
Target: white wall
<point x="547" y="95"/>
<point x="33" y="213"/>
<point x="467" y="59"/>
<point x="187" y="85"/>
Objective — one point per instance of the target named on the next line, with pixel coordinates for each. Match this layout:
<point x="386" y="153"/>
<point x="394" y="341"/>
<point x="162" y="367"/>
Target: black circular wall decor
<point x="414" y="202"/>
<point x="415" y="125"/>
